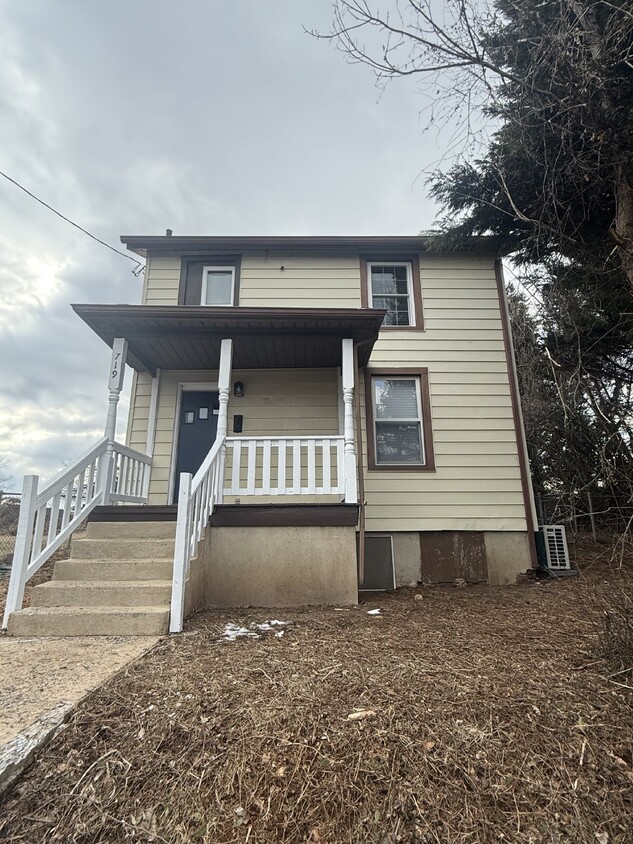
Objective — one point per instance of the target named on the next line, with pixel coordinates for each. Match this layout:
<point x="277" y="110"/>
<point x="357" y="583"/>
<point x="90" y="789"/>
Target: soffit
<point x="168" y="337"/>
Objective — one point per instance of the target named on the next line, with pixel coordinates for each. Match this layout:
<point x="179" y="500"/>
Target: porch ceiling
<point x="170" y="337"/>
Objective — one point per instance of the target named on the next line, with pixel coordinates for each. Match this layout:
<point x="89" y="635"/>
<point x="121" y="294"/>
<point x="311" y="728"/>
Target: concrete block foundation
<point x="508" y="555"/>
<point x="495" y="557"/>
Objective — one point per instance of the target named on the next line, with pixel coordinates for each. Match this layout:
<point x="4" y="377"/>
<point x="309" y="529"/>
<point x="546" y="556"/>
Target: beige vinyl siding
<point x="304" y="282"/>
<point x="477" y="482"/>
<point x="162" y="279"/>
<point x="277" y="402"/>
<point x="139" y="412"/>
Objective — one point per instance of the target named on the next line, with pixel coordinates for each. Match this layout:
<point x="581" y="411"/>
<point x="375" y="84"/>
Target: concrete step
<point x="131" y="530"/>
<point x="102" y="593"/>
<point x="122" y="549"/>
<point x="89" y="621"/>
<point x="105" y="569"/>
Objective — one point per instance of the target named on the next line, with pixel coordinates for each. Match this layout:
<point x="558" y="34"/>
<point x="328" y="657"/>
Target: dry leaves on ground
<point x="492" y="719"/>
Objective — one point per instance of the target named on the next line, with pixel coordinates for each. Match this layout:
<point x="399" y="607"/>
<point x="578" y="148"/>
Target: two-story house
<point x="309" y="415"/>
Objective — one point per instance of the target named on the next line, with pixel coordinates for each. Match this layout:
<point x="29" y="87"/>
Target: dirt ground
<point x="465" y="715"/>
<point x="39" y="674"/>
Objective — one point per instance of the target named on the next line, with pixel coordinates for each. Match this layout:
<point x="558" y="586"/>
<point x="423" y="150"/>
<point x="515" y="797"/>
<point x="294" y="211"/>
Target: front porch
<point x="275" y="455"/>
<point x="278" y="384"/>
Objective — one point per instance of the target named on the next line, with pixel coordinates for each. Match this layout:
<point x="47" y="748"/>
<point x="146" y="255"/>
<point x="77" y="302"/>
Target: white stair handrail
<point x="316" y="465"/>
<point x="50" y="515"/>
<point x="197" y="498"/>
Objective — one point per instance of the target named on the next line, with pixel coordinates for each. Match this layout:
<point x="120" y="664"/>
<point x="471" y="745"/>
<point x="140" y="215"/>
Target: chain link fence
<point x="9" y="515"/>
<point x="587" y="512"/>
<point x="9" y="512"/>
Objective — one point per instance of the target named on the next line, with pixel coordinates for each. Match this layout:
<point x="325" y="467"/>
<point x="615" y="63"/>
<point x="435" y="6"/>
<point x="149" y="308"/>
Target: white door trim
<point x="184" y="386"/>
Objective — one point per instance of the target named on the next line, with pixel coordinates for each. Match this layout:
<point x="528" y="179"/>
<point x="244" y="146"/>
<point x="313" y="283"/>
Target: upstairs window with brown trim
<point x="210" y="280"/>
<point x="393" y="285"/>
<point x="390" y="287"/>
<point x="399" y="420"/>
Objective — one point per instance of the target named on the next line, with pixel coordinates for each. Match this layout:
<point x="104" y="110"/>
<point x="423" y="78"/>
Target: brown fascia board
<point x="142" y="244"/>
<point x="366" y="321"/>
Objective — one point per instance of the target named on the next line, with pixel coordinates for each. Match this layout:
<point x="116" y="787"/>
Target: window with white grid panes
<point x="390" y="287"/>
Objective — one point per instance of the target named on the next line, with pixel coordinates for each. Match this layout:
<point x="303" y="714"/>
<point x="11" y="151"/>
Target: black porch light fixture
<point x="238" y="389"/>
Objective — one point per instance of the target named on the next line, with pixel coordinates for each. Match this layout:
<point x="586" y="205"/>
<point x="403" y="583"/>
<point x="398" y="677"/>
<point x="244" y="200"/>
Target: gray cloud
<point x="207" y="117"/>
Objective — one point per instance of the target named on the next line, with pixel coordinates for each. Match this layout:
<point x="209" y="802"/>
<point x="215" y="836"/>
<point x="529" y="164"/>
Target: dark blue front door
<point x="196" y="431"/>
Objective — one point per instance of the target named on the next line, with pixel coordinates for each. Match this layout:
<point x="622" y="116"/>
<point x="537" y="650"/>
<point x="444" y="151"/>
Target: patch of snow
<point x="254" y="630"/>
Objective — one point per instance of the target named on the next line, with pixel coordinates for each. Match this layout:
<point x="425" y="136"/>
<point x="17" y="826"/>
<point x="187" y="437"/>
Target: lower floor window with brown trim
<point x="399" y="419"/>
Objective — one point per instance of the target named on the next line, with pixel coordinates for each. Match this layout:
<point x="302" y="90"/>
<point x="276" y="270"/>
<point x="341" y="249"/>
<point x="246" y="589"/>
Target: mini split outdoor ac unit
<point x="556" y="551"/>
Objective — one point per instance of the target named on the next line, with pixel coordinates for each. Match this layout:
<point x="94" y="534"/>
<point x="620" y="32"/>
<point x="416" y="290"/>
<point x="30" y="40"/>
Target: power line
<point x="139" y="267"/>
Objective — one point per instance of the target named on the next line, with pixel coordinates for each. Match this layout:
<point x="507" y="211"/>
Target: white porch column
<point x="224" y="388"/>
<point x="115" y="385"/>
<point x="351" y="481"/>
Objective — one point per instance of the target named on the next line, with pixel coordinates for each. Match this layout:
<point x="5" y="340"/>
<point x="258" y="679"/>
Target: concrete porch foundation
<point x="280" y="566"/>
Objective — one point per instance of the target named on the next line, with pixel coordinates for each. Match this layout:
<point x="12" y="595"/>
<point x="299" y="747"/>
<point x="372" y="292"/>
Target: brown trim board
<point x="427" y="429"/>
<point x="190" y="284"/>
<point x="516" y="410"/>
<point x="285" y="515"/>
<point x="414" y="260"/>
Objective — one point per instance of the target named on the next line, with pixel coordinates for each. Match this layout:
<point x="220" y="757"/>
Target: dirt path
<point x="37" y="675"/>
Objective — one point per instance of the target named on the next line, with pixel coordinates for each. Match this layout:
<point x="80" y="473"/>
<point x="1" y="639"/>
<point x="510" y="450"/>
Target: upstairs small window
<point x="210" y="280"/>
<point x="218" y="286"/>
<point x="392" y="283"/>
<point x="390" y="287"/>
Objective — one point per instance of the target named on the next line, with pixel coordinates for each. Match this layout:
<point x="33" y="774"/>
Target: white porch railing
<point x="48" y="517"/>
<point x="271" y="466"/>
<point x="130" y="475"/>
<point x="197" y="498"/>
<point x="286" y="466"/>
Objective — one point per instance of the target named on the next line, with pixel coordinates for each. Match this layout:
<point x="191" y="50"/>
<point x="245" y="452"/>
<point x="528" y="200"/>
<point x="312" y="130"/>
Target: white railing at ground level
<point x="286" y="466"/>
<point x="197" y="498"/>
<point x="272" y="466"/>
<point x="48" y="517"/>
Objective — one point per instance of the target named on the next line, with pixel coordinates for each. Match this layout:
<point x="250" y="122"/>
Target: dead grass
<point x="488" y="716"/>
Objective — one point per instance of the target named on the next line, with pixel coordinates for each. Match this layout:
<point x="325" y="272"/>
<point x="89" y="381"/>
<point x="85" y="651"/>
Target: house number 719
<point x="117" y="367"/>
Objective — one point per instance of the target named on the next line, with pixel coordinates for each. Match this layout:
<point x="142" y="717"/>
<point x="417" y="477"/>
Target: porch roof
<point x="183" y="337"/>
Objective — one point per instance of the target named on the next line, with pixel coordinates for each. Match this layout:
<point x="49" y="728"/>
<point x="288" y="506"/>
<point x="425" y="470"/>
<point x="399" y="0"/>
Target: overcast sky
<point x="204" y="116"/>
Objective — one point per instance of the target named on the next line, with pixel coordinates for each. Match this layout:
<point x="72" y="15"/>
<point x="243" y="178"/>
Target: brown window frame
<point x="416" y="285"/>
<point x="190" y="285"/>
<point x="422" y="373"/>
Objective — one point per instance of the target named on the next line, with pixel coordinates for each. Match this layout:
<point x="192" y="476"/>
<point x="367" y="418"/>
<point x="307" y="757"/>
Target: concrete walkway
<point x="39" y="675"/>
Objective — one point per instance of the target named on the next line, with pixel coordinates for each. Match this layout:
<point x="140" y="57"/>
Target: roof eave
<point x="142" y="244"/>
